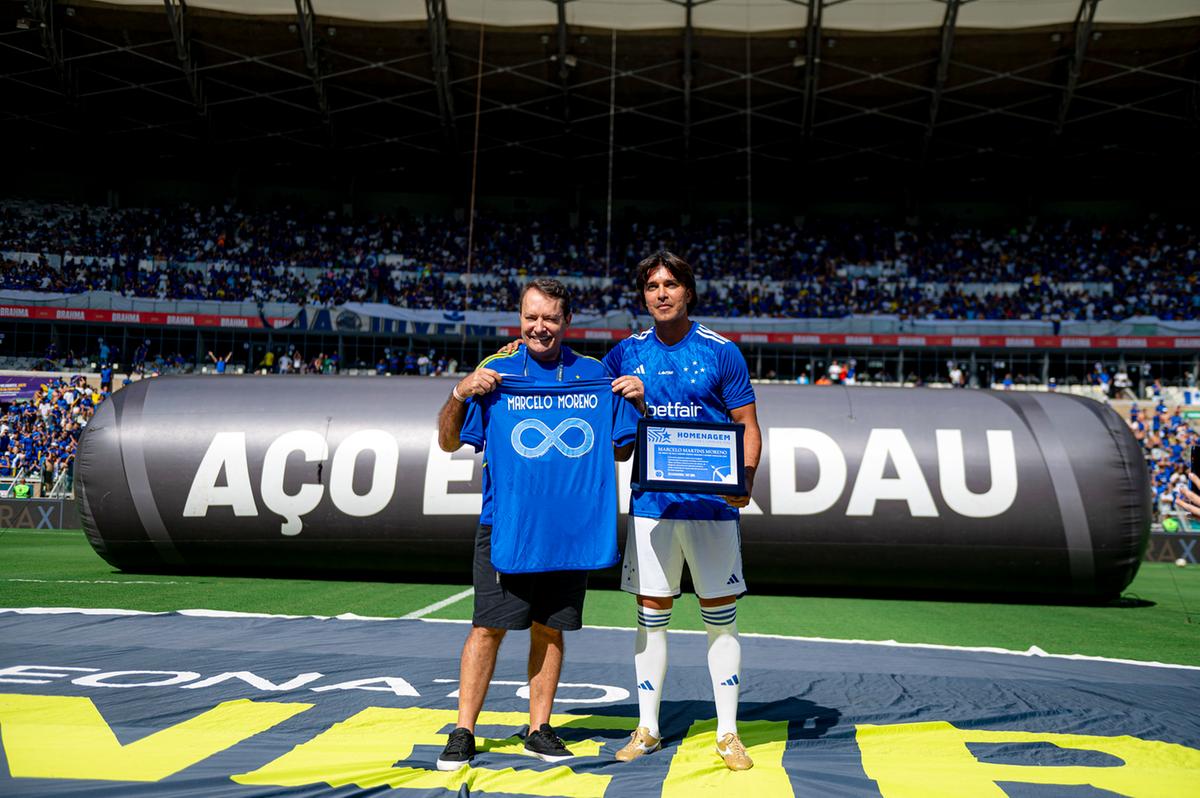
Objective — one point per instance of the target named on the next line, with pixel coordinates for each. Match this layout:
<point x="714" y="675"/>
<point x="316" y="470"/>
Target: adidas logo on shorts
<point x="733" y="580"/>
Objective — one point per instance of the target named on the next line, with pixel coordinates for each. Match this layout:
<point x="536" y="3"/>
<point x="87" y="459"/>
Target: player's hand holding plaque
<point x="690" y="457"/>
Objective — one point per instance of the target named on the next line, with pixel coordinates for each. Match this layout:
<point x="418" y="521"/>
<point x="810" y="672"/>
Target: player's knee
<point x="656" y="602"/>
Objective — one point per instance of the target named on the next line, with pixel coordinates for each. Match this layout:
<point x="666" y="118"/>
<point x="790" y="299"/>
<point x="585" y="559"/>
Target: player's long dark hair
<point x="679" y="268"/>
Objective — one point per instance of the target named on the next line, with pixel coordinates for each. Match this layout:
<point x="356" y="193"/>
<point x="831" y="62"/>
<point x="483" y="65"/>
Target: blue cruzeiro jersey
<point x="520" y="364"/>
<point x="701" y="378"/>
<point x="549" y="448"/>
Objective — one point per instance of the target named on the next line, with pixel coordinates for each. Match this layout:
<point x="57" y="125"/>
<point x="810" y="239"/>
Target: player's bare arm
<point x="454" y="412"/>
<point x="748" y="415"/>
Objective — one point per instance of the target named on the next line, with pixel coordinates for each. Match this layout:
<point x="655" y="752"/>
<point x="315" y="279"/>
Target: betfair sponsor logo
<point x="675" y="410"/>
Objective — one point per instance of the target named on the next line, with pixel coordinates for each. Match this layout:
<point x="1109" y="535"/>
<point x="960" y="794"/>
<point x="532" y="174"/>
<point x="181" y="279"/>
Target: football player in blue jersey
<point x="546" y="603"/>
<point x="689" y="373"/>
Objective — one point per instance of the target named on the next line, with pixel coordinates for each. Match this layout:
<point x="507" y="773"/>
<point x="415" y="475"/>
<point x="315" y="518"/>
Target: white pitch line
<point x="437" y="605"/>
<point x="92" y="581"/>
<point x="1032" y="651"/>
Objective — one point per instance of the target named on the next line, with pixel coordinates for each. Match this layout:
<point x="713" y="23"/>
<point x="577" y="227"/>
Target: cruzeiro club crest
<point x="655" y="435"/>
<point x="553" y="438"/>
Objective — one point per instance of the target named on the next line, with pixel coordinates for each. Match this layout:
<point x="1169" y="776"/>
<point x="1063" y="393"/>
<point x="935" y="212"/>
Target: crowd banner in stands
<point x="177" y="319"/>
<point x="488" y="324"/>
<point x="923" y="489"/>
<point x="19" y="386"/>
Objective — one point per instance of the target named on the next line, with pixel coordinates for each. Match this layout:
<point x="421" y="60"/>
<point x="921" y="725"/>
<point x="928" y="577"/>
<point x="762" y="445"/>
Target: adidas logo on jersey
<point x="641" y="369"/>
<point x="645" y="685"/>
<point x="733" y="580"/>
<point x="732" y="681"/>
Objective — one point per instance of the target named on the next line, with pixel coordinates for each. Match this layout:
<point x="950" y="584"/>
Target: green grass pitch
<point x="59" y="569"/>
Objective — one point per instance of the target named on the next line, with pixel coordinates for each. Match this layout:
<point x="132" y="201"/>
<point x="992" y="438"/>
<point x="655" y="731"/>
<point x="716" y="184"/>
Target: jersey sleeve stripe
<point x="704" y="332"/>
<point x="497" y="356"/>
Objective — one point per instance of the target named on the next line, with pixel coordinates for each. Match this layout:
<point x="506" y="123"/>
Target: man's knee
<point x="545" y="634"/>
<point x="486" y="635"/>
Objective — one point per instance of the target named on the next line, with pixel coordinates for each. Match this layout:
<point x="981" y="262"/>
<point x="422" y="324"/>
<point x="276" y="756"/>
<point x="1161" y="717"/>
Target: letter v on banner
<point x="65" y="737"/>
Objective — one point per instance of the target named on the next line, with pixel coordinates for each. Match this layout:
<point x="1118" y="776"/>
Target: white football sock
<point x="724" y="663"/>
<point x="650" y="663"/>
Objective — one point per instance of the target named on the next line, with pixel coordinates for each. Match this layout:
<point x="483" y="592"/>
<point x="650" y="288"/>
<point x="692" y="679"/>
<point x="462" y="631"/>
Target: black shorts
<point x="517" y="601"/>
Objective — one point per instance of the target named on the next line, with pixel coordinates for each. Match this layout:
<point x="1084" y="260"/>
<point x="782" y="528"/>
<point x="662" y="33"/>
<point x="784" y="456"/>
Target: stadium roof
<point x="739" y="16"/>
<point x="698" y="95"/>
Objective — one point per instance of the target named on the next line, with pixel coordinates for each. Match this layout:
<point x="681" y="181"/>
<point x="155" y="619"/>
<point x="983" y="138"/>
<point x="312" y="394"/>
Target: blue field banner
<point x="250" y="707"/>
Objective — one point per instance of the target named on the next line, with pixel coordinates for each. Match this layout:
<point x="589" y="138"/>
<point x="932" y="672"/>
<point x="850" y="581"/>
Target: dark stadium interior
<point x="119" y="105"/>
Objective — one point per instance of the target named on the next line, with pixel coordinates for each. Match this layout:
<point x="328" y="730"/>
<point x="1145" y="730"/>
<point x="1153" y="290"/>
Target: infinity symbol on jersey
<point x="553" y="438"/>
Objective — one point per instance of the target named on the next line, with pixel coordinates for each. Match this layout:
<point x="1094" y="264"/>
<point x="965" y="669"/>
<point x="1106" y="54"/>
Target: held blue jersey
<point x="520" y="364"/>
<point x="701" y="378"/>
<point x="549" y="447"/>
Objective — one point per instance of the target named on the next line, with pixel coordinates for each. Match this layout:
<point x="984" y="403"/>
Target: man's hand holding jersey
<point x="450" y="418"/>
<point x="632" y="390"/>
<point x="479" y="382"/>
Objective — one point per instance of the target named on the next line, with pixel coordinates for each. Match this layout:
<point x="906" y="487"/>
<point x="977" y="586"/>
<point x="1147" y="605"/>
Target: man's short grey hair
<point x="552" y="288"/>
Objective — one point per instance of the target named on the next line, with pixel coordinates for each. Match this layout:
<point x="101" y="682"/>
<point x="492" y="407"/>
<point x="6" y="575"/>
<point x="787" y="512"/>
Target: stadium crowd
<point x="826" y="269"/>
<point x="38" y="438"/>
<point x="1166" y="438"/>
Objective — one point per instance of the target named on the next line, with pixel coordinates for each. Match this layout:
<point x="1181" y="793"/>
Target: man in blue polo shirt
<point x="545" y="602"/>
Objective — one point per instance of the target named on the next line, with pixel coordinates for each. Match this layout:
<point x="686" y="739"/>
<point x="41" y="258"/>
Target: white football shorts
<point x="656" y="549"/>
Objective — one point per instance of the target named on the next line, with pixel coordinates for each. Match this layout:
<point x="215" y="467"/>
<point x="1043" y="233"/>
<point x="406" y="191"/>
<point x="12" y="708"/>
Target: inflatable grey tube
<point x="858" y="487"/>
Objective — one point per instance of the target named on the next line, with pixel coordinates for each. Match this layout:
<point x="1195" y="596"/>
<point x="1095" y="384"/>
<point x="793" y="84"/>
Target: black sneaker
<point x="459" y="750"/>
<point x="545" y="745"/>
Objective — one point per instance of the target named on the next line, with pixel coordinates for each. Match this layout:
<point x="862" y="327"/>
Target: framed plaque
<point x="690" y="457"/>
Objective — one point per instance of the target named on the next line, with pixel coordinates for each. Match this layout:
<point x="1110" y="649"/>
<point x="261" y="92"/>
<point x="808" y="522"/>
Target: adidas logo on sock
<point x="732" y="681"/>
<point x="645" y="685"/>
<point x="733" y="580"/>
